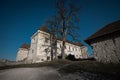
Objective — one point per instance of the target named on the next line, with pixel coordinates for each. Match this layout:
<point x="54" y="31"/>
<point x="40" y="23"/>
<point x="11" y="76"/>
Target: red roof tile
<point x="74" y="43"/>
<point x="26" y="46"/>
<point x="44" y="28"/>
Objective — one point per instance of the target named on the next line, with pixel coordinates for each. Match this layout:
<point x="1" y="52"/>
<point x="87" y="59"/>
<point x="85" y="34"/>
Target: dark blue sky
<point x="19" y="19"/>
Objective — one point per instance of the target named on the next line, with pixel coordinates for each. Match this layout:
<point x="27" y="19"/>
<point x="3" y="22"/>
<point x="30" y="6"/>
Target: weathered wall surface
<point x="43" y="47"/>
<point x="107" y="49"/>
<point x="74" y="50"/>
<point x="40" y="48"/>
<point x="84" y="52"/>
<point x="22" y="54"/>
<point x="117" y="45"/>
<point x="33" y="48"/>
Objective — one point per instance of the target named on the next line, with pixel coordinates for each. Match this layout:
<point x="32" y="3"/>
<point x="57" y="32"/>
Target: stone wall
<point x="84" y="52"/>
<point x="33" y="48"/>
<point x="73" y="50"/>
<point x="117" y="45"/>
<point x="40" y="48"/>
<point x="38" y="45"/>
<point x="107" y="49"/>
<point x="22" y="54"/>
<point x="43" y="47"/>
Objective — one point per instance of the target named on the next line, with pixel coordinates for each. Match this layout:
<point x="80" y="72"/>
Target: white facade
<point x="40" y="48"/>
<point x="22" y="54"/>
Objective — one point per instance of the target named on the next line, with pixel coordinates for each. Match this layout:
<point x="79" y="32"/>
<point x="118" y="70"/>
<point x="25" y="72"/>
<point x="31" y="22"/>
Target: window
<point x="48" y="58"/>
<point x="69" y="47"/>
<point x="42" y="59"/>
<point x="32" y="51"/>
<point x="46" y="40"/>
<point x="46" y="50"/>
<point x="34" y="39"/>
<point x="60" y="46"/>
<point x="76" y="49"/>
<point x="65" y="46"/>
<point x="76" y="55"/>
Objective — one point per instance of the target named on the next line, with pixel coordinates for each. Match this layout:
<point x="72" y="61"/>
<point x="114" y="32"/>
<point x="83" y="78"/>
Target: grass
<point x="87" y="65"/>
<point x="54" y="64"/>
<point x="92" y="66"/>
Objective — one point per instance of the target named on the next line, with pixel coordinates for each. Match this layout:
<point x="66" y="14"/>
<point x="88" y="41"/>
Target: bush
<point x="71" y="57"/>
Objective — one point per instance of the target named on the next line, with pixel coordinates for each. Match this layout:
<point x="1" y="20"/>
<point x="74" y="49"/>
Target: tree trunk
<point x="55" y="48"/>
<point x="51" y="44"/>
<point x="63" y="40"/>
<point x="63" y="50"/>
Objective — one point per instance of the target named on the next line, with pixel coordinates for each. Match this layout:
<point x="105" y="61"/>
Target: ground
<point x="46" y="73"/>
<point x="29" y="74"/>
<point x="58" y="70"/>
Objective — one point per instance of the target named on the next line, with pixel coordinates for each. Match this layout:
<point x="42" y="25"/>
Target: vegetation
<point x="68" y="16"/>
<point x="92" y="66"/>
<point x="62" y="25"/>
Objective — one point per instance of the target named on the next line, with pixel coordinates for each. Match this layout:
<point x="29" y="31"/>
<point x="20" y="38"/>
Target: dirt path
<point x="47" y="73"/>
<point x="44" y="73"/>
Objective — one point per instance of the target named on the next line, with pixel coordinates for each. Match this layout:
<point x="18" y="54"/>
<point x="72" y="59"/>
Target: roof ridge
<point x="107" y="29"/>
<point x="25" y="45"/>
<point x="74" y="43"/>
<point x="44" y="28"/>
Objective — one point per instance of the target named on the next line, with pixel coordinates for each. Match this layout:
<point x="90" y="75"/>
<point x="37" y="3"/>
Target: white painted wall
<point x="84" y="54"/>
<point x="38" y="53"/>
<point x="41" y="54"/>
<point x="22" y="54"/>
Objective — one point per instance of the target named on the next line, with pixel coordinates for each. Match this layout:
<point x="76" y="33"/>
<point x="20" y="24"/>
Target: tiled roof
<point x="74" y="43"/>
<point x="44" y="28"/>
<point x="108" y="29"/>
<point x="26" y="46"/>
<point x="78" y="43"/>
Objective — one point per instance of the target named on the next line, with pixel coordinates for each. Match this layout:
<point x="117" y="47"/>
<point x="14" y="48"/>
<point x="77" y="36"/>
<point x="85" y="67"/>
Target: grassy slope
<point x="54" y="64"/>
<point x="91" y="66"/>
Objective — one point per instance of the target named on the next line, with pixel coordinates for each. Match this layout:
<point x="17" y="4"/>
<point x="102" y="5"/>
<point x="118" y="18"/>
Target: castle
<point x="38" y="52"/>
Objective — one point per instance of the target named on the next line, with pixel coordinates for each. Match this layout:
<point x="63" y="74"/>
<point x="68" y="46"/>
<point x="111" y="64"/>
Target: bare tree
<point x="68" y="17"/>
<point x="53" y="27"/>
<point x="62" y="25"/>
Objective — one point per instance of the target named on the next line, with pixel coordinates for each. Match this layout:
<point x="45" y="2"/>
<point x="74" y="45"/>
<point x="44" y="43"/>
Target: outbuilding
<point x="106" y="43"/>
